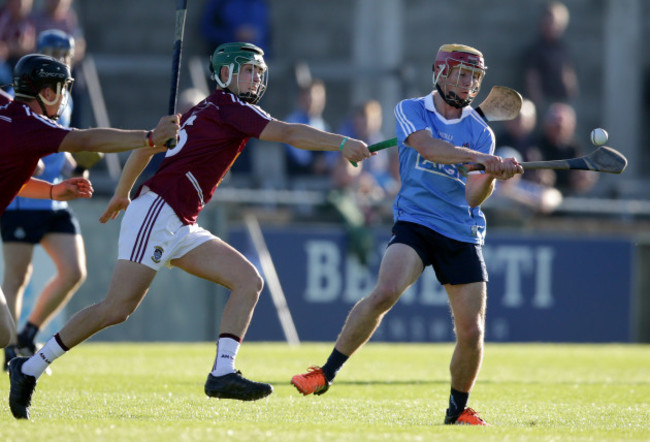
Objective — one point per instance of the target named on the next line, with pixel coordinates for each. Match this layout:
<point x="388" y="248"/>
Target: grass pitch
<point x="386" y="392"/>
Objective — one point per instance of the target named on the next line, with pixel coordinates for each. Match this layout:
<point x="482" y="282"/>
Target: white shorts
<point x="151" y="233"/>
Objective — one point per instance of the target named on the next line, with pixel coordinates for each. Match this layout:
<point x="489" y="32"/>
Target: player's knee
<point x="81" y="274"/>
<point x="384" y="297"/>
<point x="470" y="334"/>
<point x="257" y="282"/>
<point x="252" y="282"/>
<point x="16" y="282"/>
<point x="117" y="315"/>
<point x="256" y="286"/>
<point x="75" y="275"/>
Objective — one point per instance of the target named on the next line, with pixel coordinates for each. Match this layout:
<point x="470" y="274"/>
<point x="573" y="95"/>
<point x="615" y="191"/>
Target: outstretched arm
<point x="308" y="138"/>
<point x="116" y="140"/>
<point x="67" y="190"/>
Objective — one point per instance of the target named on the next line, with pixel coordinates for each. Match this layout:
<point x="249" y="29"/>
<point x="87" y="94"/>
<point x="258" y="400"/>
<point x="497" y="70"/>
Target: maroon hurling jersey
<point x="26" y="137"/>
<point x="213" y="133"/>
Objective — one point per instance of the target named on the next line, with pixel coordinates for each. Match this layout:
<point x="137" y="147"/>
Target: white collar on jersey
<point x="428" y="104"/>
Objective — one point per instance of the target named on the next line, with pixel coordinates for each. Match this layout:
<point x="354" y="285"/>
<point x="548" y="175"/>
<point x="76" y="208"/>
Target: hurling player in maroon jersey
<point x="29" y="131"/>
<point x="159" y="226"/>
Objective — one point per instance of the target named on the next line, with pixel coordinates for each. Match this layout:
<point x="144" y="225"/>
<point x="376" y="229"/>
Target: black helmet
<point x="33" y="72"/>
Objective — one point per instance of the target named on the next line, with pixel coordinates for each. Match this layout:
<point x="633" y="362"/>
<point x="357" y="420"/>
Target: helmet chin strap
<point x="42" y="101"/>
<point x="452" y="99"/>
<point x="225" y="84"/>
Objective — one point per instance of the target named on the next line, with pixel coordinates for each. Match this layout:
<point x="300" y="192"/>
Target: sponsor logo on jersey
<point x="447" y="170"/>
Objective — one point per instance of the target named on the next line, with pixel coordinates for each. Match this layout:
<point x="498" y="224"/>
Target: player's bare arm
<point x="117" y="140"/>
<point x="67" y="190"/>
<point x="443" y="152"/>
<point x="308" y="138"/>
<point x="480" y="186"/>
<point x="134" y="166"/>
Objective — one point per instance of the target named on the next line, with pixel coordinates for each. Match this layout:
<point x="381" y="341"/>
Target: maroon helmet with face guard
<point x="469" y="61"/>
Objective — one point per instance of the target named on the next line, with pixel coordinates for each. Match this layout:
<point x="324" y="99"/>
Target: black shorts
<point x="31" y="226"/>
<point x="454" y="262"/>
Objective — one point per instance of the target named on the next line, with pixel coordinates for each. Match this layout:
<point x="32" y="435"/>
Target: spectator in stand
<point x="549" y="67"/>
<point x="365" y="124"/>
<point x="558" y="141"/>
<point x="370" y="183"/>
<point x="224" y="21"/>
<point x="59" y="14"/>
<point x="310" y="105"/>
<point x="517" y="197"/>
<point x="17" y="30"/>
<point x="520" y="134"/>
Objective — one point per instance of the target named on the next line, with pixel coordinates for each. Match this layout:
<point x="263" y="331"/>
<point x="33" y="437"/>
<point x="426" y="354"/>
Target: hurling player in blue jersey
<point x="438" y="222"/>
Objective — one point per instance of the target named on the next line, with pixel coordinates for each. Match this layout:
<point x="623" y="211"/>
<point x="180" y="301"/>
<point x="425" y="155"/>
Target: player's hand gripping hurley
<point x="501" y="104"/>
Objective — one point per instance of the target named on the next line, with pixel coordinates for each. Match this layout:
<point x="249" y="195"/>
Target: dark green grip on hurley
<point x="379" y="146"/>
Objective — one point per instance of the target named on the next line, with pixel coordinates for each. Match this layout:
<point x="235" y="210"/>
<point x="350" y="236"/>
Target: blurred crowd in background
<point x="545" y="129"/>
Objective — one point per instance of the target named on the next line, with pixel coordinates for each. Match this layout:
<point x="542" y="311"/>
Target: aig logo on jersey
<point x="157" y="254"/>
<point x="447" y="170"/>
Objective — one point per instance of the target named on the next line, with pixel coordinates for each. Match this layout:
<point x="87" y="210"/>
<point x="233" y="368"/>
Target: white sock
<point x="224" y="363"/>
<point x="37" y="364"/>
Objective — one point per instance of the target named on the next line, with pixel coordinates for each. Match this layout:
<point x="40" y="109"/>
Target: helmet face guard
<point x="62" y="89"/>
<point x="453" y="64"/>
<point x="234" y="56"/>
<point x="34" y="72"/>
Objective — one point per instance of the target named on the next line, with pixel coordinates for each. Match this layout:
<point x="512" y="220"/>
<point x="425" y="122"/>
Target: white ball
<point x="599" y="136"/>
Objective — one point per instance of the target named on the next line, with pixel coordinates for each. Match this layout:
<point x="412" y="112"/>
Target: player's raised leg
<point x="218" y="262"/>
<point x="400" y="267"/>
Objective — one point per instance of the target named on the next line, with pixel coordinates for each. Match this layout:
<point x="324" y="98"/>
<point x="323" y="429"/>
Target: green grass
<point x="154" y="392"/>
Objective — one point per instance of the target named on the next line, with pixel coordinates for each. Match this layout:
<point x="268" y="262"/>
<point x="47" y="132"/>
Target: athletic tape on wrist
<point x="343" y="143"/>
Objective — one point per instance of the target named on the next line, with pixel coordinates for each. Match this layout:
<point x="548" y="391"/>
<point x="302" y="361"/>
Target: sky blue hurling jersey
<point x="433" y="194"/>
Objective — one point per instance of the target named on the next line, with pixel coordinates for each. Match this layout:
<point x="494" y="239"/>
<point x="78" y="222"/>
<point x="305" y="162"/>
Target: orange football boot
<point x="467" y="417"/>
<point x="313" y="381"/>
